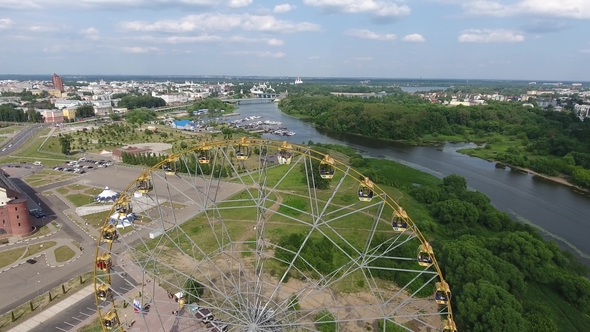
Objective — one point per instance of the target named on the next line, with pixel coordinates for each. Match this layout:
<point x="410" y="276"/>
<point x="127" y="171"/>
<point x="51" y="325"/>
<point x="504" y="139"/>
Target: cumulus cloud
<point x="261" y="54"/>
<point x="577" y="9"/>
<point x="490" y="36"/>
<point x="118" y="4"/>
<point x="5" y="23"/>
<point x="207" y="38"/>
<point x="284" y="8"/>
<point x="225" y="22"/>
<point x="377" y="8"/>
<point x="138" y="49"/>
<point x="90" y="33"/>
<point x="239" y="3"/>
<point x="414" y="38"/>
<point x="368" y="34"/>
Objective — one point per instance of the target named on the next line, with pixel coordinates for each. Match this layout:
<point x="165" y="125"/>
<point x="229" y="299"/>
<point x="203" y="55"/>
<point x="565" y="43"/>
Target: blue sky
<point x="487" y="39"/>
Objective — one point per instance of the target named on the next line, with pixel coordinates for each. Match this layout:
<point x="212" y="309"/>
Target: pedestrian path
<point x="52" y="311"/>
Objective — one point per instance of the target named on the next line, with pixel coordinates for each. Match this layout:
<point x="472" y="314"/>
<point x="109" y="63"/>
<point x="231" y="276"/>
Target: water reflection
<point x="556" y="208"/>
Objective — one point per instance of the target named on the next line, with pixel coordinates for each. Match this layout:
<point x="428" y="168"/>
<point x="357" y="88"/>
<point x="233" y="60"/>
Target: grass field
<point x="80" y="199"/>
<point x="10" y="256"/>
<point x="36" y="248"/>
<point x="64" y="254"/>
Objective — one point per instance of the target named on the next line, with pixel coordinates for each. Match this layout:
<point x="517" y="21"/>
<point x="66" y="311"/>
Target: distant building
<point x="171" y="98"/>
<point x="69" y="113"/>
<point x="52" y="116"/>
<point x="14" y="214"/>
<point x="58" y="83"/>
<point x="298" y="81"/>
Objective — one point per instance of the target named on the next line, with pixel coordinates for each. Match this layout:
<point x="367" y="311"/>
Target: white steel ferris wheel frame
<point x="241" y="298"/>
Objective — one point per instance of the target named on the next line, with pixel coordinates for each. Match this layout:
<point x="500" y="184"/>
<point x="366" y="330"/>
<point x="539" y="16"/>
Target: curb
<point x="30" y="239"/>
<point x="82" y="228"/>
<point x="23" y="262"/>
<point x="52" y="183"/>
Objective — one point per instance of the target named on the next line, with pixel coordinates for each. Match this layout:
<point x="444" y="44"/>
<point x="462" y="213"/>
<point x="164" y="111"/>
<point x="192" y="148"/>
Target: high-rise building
<point x="58" y="83"/>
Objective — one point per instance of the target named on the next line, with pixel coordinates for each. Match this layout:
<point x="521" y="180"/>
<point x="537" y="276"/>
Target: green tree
<point x="85" y="111"/>
<point x="193" y="290"/>
<point x="313" y="178"/>
<point x="65" y="141"/>
<point x="485" y="307"/>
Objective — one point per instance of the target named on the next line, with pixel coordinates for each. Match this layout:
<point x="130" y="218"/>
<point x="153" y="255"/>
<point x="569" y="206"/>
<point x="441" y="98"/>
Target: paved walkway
<point x="49" y="313"/>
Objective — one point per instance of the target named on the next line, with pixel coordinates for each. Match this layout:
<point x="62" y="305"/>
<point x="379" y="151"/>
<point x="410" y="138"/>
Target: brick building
<point x="14" y="214"/>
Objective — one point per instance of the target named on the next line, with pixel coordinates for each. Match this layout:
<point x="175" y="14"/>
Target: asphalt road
<point x="19" y="139"/>
<point x="86" y="307"/>
<point x="22" y="284"/>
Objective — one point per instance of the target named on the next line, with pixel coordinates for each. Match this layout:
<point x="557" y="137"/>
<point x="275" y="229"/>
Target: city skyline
<point x="436" y="39"/>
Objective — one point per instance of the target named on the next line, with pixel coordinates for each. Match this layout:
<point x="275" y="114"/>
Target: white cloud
<point x="239" y="3"/>
<point x="367" y="34"/>
<point x="90" y="33"/>
<point x="43" y="28"/>
<point x="414" y="38"/>
<point x="261" y="54"/>
<point x="206" y="38"/>
<point x="225" y="22"/>
<point x="577" y="9"/>
<point x="138" y="49"/>
<point x="490" y="36"/>
<point x="284" y="8"/>
<point x="368" y="58"/>
<point x="118" y="4"/>
<point x="585" y="51"/>
<point x="5" y="23"/>
<point x="313" y="57"/>
<point x="275" y="42"/>
<point x="377" y="8"/>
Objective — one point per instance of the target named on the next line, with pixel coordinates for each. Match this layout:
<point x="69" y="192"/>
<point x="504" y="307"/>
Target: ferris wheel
<point x="259" y="235"/>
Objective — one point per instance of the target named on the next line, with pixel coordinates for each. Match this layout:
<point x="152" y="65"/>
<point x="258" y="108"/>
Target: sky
<point x="470" y="39"/>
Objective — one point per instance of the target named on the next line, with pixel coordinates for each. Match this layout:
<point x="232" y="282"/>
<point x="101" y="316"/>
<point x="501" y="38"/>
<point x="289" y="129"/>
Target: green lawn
<point x="64" y="254"/>
<point x="8" y="257"/>
<point x="96" y="220"/>
<point x="39" y="247"/>
<point x="80" y="200"/>
<point x="47" y="176"/>
<point x="63" y="190"/>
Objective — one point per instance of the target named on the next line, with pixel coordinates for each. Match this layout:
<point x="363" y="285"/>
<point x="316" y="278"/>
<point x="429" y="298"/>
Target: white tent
<point x="107" y="195"/>
<point x="122" y="221"/>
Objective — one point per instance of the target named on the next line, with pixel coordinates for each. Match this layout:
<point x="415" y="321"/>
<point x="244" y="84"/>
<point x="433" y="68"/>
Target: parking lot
<point x="83" y="165"/>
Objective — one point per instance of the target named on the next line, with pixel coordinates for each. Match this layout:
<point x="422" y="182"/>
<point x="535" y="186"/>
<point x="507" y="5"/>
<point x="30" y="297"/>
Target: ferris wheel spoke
<point x="404" y="302"/>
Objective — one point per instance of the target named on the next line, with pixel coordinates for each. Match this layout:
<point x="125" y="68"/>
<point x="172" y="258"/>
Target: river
<point x="559" y="211"/>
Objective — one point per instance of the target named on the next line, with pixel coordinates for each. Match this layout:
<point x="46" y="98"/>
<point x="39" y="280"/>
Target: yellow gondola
<point x="123" y="205"/>
<point x="449" y="325"/>
<point x="181" y="303"/>
<point x="400" y="221"/>
<point x="103" y="292"/>
<point x="243" y="149"/>
<point x="285" y="155"/>
<point x="442" y="293"/>
<point x="170" y="166"/>
<point x="365" y="191"/>
<point x="144" y="184"/>
<point x="204" y="154"/>
<point x="104" y="262"/>
<point x="109" y="233"/>
<point x="110" y="321"/>
<point x="327" y="167"/>
<point x="425" y="254"/>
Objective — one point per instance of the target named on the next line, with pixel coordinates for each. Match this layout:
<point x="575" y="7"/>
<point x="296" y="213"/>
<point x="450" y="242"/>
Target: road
<point x="32" y="278"/>
<point x="86" y="307"/>
<point x="19" y="139"/>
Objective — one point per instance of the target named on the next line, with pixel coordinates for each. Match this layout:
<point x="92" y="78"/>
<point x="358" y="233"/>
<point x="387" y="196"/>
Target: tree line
<point x="133" y="102"/>
<point x="211" y="104"/>
<point x="10" y="113"/>
<point x="552" y="142"/>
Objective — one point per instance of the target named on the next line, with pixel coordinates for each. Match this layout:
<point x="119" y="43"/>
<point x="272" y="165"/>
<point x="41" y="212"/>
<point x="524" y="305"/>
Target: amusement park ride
<point x="243" y="149"/>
